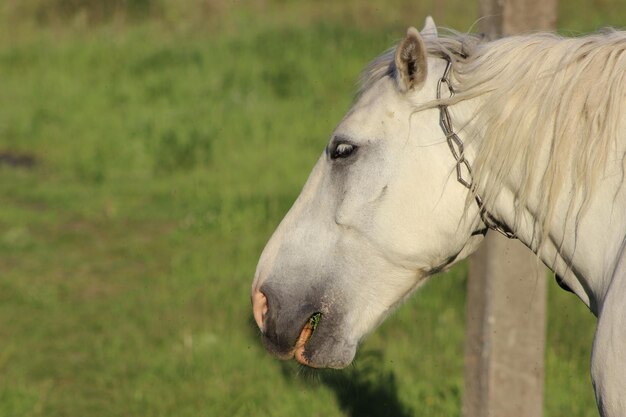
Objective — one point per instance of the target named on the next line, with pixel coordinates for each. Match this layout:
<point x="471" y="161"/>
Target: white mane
<point x="540" y="90"/>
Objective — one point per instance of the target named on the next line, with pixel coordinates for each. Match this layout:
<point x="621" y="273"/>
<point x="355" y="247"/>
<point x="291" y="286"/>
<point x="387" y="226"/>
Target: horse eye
<point x="342" y="150"/>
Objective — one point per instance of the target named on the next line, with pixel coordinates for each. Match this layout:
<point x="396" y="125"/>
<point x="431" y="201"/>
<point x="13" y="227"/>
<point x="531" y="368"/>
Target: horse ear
<point x="430" y="29"/>
<point x="411" y="61"/>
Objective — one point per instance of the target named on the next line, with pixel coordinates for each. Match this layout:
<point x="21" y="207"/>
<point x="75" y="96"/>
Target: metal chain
<point x="458" y="152"/>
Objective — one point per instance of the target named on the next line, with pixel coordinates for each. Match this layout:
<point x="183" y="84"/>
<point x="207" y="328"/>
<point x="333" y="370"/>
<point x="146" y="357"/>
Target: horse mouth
<point x="306" y="334"/>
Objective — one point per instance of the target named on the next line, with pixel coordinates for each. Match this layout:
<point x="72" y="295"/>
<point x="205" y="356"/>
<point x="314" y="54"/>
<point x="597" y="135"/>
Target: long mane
<point x="538" y="92"/>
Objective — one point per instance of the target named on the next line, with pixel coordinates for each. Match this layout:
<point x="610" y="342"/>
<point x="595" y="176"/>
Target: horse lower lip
<point x="298" y="352"/>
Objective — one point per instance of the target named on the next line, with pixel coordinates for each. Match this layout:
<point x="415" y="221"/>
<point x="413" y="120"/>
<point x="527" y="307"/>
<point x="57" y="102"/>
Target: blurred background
<point x="148" y="148"/>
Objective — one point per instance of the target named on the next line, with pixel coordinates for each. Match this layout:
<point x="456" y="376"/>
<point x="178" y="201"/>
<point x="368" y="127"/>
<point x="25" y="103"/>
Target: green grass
<point x="165" y="154"/>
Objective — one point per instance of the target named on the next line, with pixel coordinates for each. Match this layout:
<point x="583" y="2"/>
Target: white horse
<point x="451" y="135"/>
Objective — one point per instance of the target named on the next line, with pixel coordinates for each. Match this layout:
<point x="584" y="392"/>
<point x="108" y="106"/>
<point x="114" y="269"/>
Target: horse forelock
<point x="537" y="91"/>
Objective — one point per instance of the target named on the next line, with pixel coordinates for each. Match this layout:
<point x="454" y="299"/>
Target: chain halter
<point x="462" y="165"/>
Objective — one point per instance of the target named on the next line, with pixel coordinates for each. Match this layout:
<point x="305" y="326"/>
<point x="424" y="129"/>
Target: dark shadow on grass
<point x="13" y="159"/>
<point x="364" y="389"/>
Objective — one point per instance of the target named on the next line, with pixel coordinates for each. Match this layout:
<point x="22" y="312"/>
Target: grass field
<point x="146" y="155"/>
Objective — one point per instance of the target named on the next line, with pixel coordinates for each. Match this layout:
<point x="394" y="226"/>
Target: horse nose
<point x="259" y="307"/>
<point x="282" y="311"/>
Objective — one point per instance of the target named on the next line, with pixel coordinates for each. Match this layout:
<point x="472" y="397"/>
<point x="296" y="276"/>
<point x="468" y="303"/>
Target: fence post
<point x="506" y="297"/>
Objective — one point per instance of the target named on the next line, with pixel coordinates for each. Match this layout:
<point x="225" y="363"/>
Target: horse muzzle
<point x="301" y="328"/>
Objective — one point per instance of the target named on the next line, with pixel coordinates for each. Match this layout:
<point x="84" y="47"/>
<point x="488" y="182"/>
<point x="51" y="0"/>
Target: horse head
<point x="381" y="211"/>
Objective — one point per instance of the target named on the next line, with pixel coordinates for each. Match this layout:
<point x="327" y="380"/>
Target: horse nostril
<point x="259" y="307"/>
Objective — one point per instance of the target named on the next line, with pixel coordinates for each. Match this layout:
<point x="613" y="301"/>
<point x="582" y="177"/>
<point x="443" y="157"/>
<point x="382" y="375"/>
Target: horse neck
<point x="586" y="236"/>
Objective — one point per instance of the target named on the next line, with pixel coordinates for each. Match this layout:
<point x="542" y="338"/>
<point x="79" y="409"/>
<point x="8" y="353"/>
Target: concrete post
<point x="505" y="329"/>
